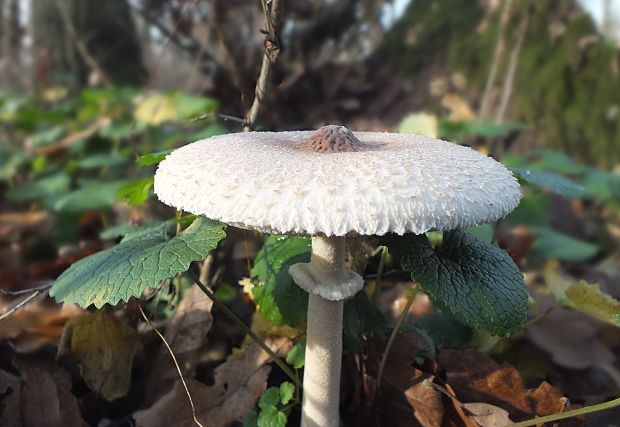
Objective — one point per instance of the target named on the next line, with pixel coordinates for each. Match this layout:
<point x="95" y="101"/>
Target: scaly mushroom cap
<point x="335" y="182"/>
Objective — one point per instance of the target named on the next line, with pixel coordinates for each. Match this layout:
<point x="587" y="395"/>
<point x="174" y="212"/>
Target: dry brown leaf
<point x="36" y="324"/>
<point x="37" y="400"/>
<point x="238" y="385"/>
<point x="487" y="415"/>
<point x="104" y="347"/>
<point x="10" y="399"/>
<point x="475" y="377"/>
<point x="406" y="396"/>
<point x="186" y="334"/>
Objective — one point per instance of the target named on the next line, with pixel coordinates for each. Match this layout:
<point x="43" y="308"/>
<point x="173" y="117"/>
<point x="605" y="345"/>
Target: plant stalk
<point x="321" y="385"/>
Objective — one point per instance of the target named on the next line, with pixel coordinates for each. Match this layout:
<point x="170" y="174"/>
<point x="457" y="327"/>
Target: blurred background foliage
<point x="94" y="94"/>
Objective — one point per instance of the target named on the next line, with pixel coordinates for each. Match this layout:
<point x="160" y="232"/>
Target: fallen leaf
<point x="38" y="400"/>
<point x="405" y="396"/>
<point x="487" y="415"/>
<point x="10" y="399"/>
<point x="583" y="296"/>
<point x="580" y="349"/>
<point x="238" y="383"/>
<point x="37" y="324"/>
<point x="104" y="347"/>
<point x="475" y="377"/>
<point x="186" y="334"/>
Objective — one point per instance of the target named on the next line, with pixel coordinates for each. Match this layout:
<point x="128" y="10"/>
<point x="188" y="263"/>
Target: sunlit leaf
<point x="420" y="124"/>
<point x="136" y="191"/>
<point x="153" y="158"/>
<point x="476" y="281"/>
<point x="140" y="261"/>
<point x="584" y="297"/>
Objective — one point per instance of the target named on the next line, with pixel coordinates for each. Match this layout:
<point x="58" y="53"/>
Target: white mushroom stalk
<point x="329" y="184"/>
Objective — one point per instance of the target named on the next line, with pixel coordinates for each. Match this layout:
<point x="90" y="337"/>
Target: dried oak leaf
<point x="104" y="347"/>
<point x="475" y="377"/>
<point x="238" y="385"/>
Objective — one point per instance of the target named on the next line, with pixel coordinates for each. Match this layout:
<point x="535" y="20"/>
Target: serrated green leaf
<point x="550" y="244"/>
<point x="296" y="356"/>
<point x="476" y="281"/>
<point x="270" y="416"/>
<point x="270" y="397"/>
<point x="551" y="181"/>
<point x="140" y="261"/>
<point x="152" y="158"/>
<point x="136" y="191"/>
<point x="278" y="298"/>
<point x="287" y="391"/>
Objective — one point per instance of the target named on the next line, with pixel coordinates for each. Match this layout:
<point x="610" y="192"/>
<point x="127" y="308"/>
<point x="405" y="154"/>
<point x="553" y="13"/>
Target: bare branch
<point x="36" y="293"/>
<point x="271" y="52"/>
<point x="225" y="117"/>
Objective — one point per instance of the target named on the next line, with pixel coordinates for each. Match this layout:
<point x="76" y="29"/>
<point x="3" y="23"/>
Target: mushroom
<point x="329" y="184"/>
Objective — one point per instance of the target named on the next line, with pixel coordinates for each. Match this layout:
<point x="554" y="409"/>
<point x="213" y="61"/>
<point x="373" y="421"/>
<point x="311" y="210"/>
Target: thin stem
<point x="176" y="364"/>
<point x="380" y="269"/>
<point x="26" y="291"/>
<point x="272" y="49"/>
<point x="570" y="414"/>
<point x="228" y="312"/>
<point x="399" y="323"/>
<point x="21" y="304"/>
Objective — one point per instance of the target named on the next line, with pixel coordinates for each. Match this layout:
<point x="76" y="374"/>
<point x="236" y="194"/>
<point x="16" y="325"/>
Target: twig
<point x="386" y="352"/>
<point x="176" y="364"/>
<point x="225" y="117"/>
<point x="22" y="303"/>
<point x="79" y="44"/>
<point x="231" y="315"/>
<point x="497" y="57"/>
<point x="512" y="65"/>
<point x="272" y="49"/>
<point x="569" y="414"/>
<point x="25" y="291"/>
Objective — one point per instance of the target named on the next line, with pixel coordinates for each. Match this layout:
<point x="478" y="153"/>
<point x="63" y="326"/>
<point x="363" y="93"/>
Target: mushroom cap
<point x="276" y="182"/>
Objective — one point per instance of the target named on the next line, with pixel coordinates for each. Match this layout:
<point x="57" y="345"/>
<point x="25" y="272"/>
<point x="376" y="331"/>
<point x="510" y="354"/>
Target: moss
<point x="564" y="92"/>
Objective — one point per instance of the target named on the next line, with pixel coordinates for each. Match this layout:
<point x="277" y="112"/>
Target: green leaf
<point x="92" y="195"/>
<point x="40" y="189"/>
<point x="420" y="124"/>
<point x="361" y="318"/>
<point x="226" y="292"/>
<point x="552" y="182"/>
<point x="136" y="192"/>
<point x="102" y="160"/>
<point x="251" y="419"/>
<point x="140" y="261"/>
<point x="482" y="128"/>
<point x="476" y="281"/>
<point x="445" y="330"/>
<point x="153" y="158"/>
<point x="551" y="244"/>
<point x="533" y="210"/>
<point x="271" y="417"/>
<point x="287" y="391"/>
<point x="278" y="298"/>
<point x="555" y="161"/>
<point x="270" y="397"/>
<point x="296" y="356"/>
<point x="483" y="232"/>
<point x="604" y="185"/>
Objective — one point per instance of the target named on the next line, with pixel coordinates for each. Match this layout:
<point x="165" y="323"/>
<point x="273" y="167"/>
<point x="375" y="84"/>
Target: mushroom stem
<point x="321" y="398"/>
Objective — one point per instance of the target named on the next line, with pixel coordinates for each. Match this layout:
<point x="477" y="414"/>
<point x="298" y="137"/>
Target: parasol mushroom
<point x="329" y="184"/>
